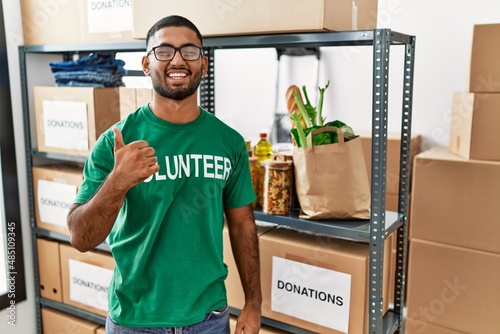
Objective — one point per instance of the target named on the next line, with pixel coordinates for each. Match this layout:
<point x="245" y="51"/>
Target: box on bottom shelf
<point x="317" y="283"/>
<point x="55" y="322"/>
<point x="86" y="278"/>
<point x="49" y="269"/>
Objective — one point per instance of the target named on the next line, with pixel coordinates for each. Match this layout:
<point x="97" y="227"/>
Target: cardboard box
<point x="100" y="330"/>
<point x="49" y="269"/>
<point x="455" y="201"/>
<point x="86" y="278"/>
<point x="316" y="282"/>
<point x="55" y="322"/>
<point x="475" y="123"/>
<point x="143" y="96"/>
<point x="235" y="295"/>
<point x="55" y="188"/>
<point x="413" y="326"/>
<point x="82" y="21"/>
<point x="215" y="18"/>
<point x="485" y="63"/>
<point x="263" y="328"/>
<point x="453" y="287"/>
<point x="133" y="98"/>
<point x="393" y="158"/>
<point x="70" y="119"/>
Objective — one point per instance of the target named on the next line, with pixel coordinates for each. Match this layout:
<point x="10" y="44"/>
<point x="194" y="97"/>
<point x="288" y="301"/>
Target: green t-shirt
<point x="167" y="238"/>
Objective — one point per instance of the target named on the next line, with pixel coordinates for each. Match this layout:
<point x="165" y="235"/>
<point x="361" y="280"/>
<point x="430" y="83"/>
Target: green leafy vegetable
<point x="313" y="119"/>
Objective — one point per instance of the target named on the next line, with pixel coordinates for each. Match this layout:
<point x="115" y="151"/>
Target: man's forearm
<point x="245" y="247"/>
<point x="90" y="223"/>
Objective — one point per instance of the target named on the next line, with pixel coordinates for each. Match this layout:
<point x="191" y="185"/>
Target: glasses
<point x="167" y="52"/>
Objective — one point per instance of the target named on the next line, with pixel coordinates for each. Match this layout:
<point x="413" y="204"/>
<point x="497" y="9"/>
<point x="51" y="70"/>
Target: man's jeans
<point x="216" y="322"/>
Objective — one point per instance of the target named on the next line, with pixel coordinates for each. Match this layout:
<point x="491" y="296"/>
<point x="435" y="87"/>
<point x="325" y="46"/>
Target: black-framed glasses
<point x="167" y="52"/>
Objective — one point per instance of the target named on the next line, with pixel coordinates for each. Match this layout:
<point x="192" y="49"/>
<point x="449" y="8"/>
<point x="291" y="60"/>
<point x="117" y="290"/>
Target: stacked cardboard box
<point x="454" y="265"/>
<point x="475" y="121"/>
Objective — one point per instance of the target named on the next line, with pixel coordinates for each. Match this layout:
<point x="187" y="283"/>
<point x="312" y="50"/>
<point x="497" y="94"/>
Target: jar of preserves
<point x="277" y="192"/>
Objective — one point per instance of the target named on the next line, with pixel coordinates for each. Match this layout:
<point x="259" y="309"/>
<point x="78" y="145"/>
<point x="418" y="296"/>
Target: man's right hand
<point x="134" y="162"/>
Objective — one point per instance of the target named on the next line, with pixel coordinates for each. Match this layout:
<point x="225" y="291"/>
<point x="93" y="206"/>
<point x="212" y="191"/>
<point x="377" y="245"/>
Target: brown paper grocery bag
<point x="331" y="180"/>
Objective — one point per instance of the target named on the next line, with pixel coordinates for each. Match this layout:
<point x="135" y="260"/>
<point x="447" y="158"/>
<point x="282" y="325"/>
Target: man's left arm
<point x="245" y="247"/>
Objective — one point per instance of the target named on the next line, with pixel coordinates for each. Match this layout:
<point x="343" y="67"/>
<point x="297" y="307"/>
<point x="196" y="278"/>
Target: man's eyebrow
<point x="187" y="44"/>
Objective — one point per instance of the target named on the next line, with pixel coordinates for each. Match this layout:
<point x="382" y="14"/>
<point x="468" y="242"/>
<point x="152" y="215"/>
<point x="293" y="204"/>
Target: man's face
<point x="175" y="79"/>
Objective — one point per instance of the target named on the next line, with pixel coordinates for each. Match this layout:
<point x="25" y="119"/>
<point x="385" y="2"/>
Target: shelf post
<point x="381" y="48"/>
<point x="404" y="183"/>
<point x="207" y="87"/>
<point x="29" y="176"/>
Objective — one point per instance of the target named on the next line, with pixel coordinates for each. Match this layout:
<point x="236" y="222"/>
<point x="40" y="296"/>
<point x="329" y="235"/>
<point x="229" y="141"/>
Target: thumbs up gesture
<point x="134" y="162"/>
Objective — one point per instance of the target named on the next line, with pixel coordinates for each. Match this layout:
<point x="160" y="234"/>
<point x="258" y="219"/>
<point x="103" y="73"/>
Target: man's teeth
<point x="177" y="75"/>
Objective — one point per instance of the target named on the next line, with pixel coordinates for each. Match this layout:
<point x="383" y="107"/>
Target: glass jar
<point x="255" y="171"/>
<point x="277" y="192"/>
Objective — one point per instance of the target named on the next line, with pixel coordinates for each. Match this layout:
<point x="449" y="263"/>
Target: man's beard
<point x="177" y="93"/>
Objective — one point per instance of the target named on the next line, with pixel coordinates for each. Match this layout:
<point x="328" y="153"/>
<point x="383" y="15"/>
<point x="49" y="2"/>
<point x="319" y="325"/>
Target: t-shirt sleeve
<point x="239" y="189"/>
<point x="96" y="169"/>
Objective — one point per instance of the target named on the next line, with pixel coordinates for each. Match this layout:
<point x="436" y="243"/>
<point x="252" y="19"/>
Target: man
<point x="157" y="186"/>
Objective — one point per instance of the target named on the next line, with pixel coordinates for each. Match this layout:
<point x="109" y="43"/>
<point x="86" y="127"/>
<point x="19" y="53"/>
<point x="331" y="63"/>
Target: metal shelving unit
<point x="373" y="231"/>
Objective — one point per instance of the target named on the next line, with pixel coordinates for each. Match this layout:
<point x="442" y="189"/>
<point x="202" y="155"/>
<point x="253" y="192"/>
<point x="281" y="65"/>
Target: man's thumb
<point x="118" y="139"/>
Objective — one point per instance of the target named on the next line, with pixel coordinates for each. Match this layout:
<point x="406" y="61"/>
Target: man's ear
<point x="204" y="66"/>
<point x="145" y="65"/>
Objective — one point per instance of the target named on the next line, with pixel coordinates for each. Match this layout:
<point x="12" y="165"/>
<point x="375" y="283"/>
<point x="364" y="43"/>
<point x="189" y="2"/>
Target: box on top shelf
<point x="215" y="18"/>
<point x="86" y="278"/>
<point x="317" y="282"/>
<point x="453" y="287"/>
<point x="54" y="188"/>
<point x="82" y="21"/>
<point x="455" y="200"/>
<point x="56" y="322"/>
<point x="70" y="119"/>
<point x="485" y="59"/>
<point x="475" y="125"/>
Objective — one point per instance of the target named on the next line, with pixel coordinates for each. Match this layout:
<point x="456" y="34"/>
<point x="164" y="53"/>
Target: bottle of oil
<point x="263" y="150"/>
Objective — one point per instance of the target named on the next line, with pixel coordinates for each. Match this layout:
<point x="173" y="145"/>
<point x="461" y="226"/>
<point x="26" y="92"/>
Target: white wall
<point x="25" y="311"/>
<point x="443" y="48"/>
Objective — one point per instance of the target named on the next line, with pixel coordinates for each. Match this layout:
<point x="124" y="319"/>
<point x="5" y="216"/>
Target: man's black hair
<point x="173" y="21"/>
